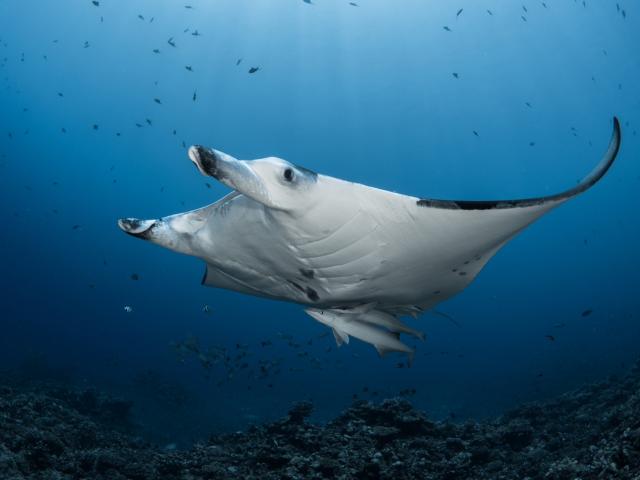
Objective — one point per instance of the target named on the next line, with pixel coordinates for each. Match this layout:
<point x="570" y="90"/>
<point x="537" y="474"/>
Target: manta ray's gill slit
<point x="330" y="235"/>
<point x="342" y="249"/>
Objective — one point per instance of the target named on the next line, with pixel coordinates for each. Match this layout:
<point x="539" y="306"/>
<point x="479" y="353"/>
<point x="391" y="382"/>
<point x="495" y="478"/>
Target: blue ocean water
<point x="365" y="93"/>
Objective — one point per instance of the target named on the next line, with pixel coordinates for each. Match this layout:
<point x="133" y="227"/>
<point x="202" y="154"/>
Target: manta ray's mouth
<point x="205" y="159"/>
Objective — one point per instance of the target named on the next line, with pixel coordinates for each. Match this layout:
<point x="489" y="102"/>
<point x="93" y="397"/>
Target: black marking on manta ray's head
<point x="207" y="161"/>
<point x="589" y="181"/>
<point x="313" y="175"/>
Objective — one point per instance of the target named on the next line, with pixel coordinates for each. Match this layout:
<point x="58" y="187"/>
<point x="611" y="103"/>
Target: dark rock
<point x="593" y="432"/>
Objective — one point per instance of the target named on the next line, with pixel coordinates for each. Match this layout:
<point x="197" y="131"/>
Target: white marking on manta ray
<point x="355" y="256"/>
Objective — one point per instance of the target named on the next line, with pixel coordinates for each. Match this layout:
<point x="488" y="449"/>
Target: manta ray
<point x="358" y="258"/>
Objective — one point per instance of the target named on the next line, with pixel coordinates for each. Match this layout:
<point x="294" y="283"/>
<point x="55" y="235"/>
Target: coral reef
<point x="593" y="432"/>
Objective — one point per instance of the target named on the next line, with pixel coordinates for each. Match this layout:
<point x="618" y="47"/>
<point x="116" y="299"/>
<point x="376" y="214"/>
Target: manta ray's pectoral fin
<point x="526" y="204"/>
<point x="460" y="236"/>
<point x="340" y="336"/>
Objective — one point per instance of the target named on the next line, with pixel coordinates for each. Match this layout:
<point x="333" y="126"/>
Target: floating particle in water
<point x="135" y="276"/>
<point x="128" y="309"/>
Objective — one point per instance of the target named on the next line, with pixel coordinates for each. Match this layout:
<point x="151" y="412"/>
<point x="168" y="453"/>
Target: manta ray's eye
<point x="288" y="174"/>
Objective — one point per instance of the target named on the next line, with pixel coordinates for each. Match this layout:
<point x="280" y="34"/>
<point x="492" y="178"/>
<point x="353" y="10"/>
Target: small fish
<point x="188" y="67"/>
<point x="206" y="309"/>
<point x="455" y="75"/>
<point x="254" y="69"/>
<point x="551" y="338"/>
<point x="353" y="4"/>
<point x="155" y="50"/>
<point x="490" y="12"/>
<point x="193" y="98"/>
<point x="135" y="276"/>
<point x="76" y="227"/>
<point x="188" y="7"/>
<point x="157" y="100"/>
<point x="587" y="312"/>
<point x="476" y="133"/>
<point x="195" y="33"/>
<point x="60" y="94"/>
<point x="128" y="309"/>
<point x="95" y="126"/>
<point x="140" y="17"/>
<point x="446" y="28"/>
<point x="238" y="62"/>
<point x="96" y="3"/>
<point x="171" y="42"/>
<point x="86" y="44"/>
<point x="459" y="12"/>
<point x="148" y="121"/>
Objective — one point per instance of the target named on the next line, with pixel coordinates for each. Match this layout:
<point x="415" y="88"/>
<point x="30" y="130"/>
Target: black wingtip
<point x="590" y="180"/>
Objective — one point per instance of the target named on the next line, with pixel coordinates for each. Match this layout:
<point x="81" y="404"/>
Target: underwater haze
<point x="100" y="101"/>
